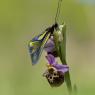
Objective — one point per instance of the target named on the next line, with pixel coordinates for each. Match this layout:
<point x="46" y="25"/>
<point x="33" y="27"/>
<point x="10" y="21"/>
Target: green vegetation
<point x="20" y="21"/>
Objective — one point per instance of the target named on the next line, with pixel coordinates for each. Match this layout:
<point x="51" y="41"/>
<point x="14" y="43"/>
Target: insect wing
<point x="36" y="46"/>
<point x="35" y="56"/>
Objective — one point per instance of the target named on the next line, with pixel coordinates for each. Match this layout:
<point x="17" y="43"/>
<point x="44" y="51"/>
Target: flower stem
<point x="61" y="49"/>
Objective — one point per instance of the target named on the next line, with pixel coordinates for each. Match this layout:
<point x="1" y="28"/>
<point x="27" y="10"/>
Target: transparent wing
<point x="36" y="46"/>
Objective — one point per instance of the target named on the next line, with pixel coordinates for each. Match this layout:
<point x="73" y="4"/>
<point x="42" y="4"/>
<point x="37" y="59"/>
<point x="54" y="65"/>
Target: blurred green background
<point x="21" y="20"/>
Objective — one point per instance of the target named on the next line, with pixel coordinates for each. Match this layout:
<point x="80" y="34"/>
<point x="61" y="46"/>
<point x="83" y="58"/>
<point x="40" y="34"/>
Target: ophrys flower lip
<point x="55" y="78"/>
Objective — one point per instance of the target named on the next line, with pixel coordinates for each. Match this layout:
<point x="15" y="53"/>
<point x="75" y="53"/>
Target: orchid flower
<point x="55" y="72"/>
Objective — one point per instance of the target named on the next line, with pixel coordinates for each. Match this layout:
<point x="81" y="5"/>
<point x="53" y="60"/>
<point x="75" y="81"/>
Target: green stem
<point x="61" y="49"/>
